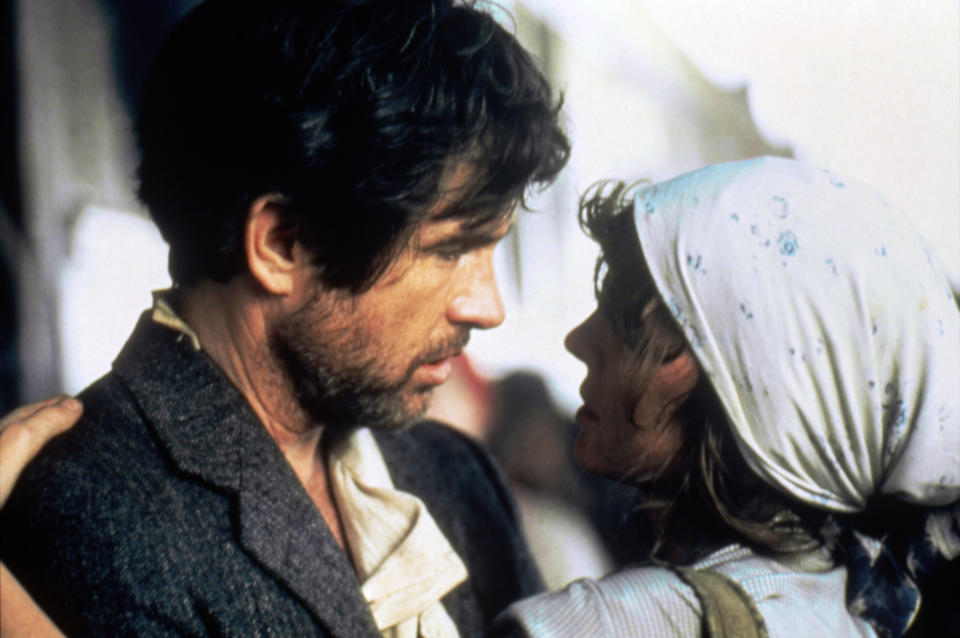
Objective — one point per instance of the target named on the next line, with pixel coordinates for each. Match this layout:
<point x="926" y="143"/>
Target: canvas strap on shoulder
<point x="728" y="611"/>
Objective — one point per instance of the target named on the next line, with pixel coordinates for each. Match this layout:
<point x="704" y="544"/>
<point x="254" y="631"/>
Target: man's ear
<point x="270" y="244"/>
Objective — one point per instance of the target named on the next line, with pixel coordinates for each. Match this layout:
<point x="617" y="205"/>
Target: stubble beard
<point x="336" y="380"/>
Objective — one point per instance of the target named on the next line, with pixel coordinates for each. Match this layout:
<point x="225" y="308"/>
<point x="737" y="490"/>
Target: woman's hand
<point x="22" y="433"/>
<point x="25" y="430"/>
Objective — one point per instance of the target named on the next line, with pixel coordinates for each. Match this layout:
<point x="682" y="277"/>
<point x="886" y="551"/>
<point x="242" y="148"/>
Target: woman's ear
<point x="270" y="244"/>
<point x="673" y="382"/>
<point x="680" y="374"/>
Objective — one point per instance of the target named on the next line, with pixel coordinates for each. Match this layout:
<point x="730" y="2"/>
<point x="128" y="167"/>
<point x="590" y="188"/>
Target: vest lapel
<point x="281" y="528"/>
<point x="211" y="434"/>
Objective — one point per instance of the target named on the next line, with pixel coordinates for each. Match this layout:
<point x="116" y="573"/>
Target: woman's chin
<point x="590" y="459"/>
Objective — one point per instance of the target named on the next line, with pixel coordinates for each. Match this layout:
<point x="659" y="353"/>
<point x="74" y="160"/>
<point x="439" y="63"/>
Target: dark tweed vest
<point x="169" y="510"/>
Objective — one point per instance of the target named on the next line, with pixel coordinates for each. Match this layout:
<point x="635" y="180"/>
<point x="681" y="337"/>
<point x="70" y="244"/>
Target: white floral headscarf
<point x="821" y="319"/>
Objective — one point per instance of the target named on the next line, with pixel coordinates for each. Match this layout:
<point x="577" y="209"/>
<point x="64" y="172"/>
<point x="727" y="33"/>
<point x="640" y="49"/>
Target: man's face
<point x="374" y="358"/>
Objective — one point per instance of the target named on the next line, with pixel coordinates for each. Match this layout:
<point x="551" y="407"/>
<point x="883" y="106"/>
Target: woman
<point x="774" y="361"/>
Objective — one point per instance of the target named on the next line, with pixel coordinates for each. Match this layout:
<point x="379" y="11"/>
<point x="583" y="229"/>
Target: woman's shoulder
<point x="634" y="601"/>
<point x="802" y="594"/>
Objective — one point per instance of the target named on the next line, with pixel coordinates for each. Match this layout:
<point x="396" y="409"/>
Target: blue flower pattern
<point x="787" y="243"/>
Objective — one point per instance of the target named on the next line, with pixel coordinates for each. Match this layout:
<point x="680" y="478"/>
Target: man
<point x="332" y="178"/>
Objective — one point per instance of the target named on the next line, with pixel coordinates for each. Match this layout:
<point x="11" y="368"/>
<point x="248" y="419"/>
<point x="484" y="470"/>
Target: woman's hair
<point x="709" y="485"/>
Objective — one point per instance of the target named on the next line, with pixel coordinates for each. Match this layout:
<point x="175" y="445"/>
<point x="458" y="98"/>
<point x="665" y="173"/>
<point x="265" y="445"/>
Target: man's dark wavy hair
<point x="350" y="113"/>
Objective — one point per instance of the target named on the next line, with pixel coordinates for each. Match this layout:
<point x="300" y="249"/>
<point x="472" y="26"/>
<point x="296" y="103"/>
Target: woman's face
<point x="626" y="428"/>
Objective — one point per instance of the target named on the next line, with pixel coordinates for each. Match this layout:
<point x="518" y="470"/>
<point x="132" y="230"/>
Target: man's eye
<point x="450" y="253"/>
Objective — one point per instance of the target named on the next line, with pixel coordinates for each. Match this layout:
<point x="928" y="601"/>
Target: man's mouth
<point x="437" y="371"/>
<point x="436" y="366"/>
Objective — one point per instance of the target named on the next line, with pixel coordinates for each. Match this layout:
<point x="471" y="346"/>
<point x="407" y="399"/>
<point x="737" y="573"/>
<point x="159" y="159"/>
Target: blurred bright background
<point x="653" y="88"/>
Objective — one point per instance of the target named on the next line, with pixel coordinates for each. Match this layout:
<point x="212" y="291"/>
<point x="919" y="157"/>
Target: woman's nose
<point x="577" y="341"/>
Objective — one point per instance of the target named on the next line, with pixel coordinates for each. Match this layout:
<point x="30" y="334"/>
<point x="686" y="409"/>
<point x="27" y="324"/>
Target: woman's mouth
<point x="585" y="416"/>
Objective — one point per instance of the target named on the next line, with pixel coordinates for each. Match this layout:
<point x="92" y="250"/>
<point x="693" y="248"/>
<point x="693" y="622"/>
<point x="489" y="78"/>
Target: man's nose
<point x="479" y="304"/>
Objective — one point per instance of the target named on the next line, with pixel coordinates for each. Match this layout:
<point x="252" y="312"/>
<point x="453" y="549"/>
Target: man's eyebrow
<point x="466" y="239"/>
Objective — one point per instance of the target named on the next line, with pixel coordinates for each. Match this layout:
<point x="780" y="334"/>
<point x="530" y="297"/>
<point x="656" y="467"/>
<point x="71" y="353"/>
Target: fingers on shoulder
<point x="27" y="428"/>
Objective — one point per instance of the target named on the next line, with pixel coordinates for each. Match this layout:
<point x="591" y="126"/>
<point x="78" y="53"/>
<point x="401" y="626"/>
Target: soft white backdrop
<point x="866" y="87"/>
<point x="870" y="88"/>
<point x="653" y="88"/>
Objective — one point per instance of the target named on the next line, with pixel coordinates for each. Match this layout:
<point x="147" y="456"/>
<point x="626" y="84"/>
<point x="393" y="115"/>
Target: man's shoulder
<point x="431" y="451"/>
<point x="114" y="465"/>
<point x="452" y="473"/>
<point x="430" y="436"/>
<point x="110" y="437"/>
<point x="107" y="465"/>
<point x="102" y="523"/>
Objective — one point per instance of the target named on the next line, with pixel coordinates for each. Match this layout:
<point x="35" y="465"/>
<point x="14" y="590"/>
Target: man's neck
<point x="232" y="324"/>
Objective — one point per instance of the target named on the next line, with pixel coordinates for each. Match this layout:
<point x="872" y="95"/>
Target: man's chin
<point x="414" y="410"/>
<point x="406" y="413"/>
